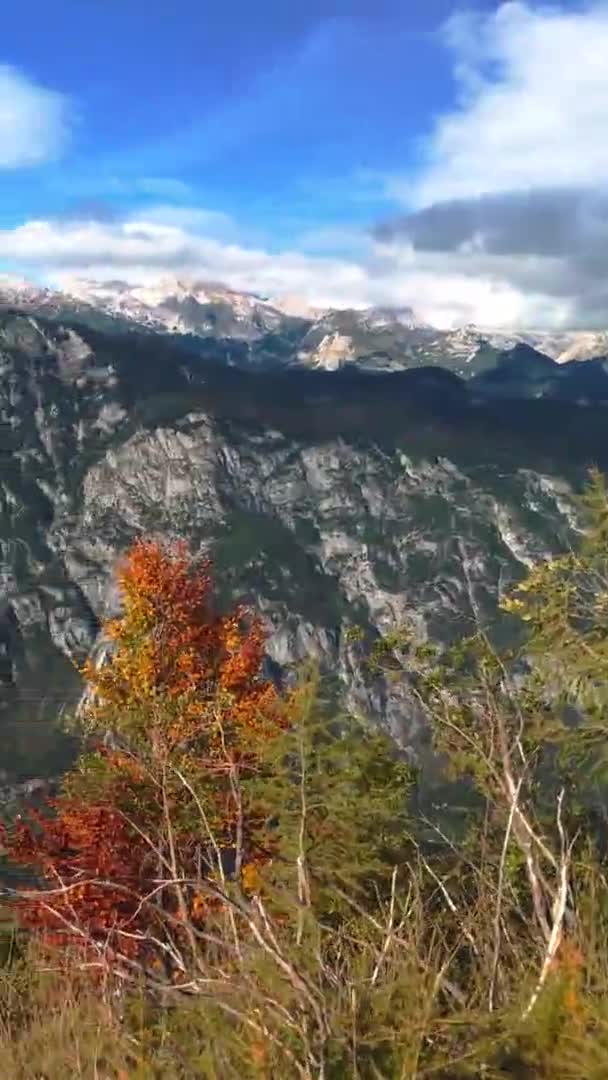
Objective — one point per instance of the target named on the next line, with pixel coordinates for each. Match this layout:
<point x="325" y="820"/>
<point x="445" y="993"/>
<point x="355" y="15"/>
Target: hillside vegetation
<point x="236" y="882"/>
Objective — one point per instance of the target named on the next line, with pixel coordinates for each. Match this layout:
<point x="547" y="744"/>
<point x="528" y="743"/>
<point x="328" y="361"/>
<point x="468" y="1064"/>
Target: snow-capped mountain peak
<point x="178" y="305"/>
<point x="285" y="329"/>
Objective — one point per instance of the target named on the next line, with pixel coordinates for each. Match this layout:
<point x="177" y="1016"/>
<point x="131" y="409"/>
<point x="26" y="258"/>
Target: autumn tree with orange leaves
<point x="156" y="819"/>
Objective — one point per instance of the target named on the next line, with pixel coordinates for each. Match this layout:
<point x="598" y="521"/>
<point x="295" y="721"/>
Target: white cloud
<point x="491" y="291"/>
<point x="347" y="240"/>
<point x="195" y="219"/>
<point x="510" y="201"/>
<point x="139" y="250"/>
<point x="34" y="121"/>
<point x="142" y="251"/>
<point x="533" y="105"/>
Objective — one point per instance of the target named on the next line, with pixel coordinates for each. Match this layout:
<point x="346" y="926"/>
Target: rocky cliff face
<point x="326" y="500"/>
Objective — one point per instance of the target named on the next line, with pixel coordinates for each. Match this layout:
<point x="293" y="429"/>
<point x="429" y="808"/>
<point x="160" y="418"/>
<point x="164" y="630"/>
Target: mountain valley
<point x="327" y="499"/>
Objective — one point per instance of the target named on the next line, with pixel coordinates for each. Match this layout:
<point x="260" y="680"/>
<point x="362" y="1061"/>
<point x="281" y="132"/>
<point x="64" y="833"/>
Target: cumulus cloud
<point x="542" y="222"/>
<point x="532" y="108"/>
<point x="196" y="219"/>
<point x="544" y="241"/>
<point x="141" y="251"/>
<point x="34" y="121"/>
<point x="513" y="185"/>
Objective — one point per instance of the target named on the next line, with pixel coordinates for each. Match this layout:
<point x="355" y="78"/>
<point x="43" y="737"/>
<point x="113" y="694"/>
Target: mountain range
<point x="271" y="332"/>
<point x="392" y="486"/>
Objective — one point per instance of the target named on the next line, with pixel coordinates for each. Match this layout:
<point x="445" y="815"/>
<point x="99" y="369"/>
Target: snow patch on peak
<point x="296" y="306"/>
<point x="176" y="304"/>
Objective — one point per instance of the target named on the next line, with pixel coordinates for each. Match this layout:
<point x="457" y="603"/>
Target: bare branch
<point x="499" y="897"/>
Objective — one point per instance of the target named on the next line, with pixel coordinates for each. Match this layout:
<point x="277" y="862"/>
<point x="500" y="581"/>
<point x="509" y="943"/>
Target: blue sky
<point x="263" y="145"/>
<point x="269" y="115"/>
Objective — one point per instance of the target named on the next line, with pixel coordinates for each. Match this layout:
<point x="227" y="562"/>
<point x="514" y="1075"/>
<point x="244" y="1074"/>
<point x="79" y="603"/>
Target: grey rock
<point x="325" y="500"/>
